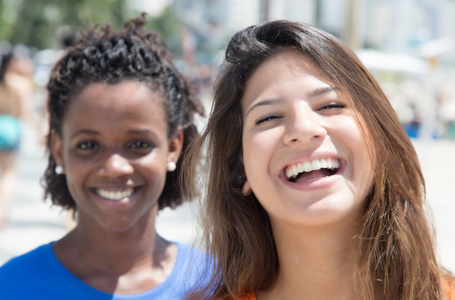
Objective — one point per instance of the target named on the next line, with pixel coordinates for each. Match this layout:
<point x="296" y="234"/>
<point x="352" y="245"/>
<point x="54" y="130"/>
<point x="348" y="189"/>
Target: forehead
<point x="290" y="58"/>
<point x="102" y="104"/>
<point x="116" y="97"/>
<point x="286" y="69"/>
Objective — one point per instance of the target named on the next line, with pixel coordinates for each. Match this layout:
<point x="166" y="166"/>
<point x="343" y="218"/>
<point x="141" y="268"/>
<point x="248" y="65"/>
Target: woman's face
<point x="114" y="150"/>
<point x="305" y="157"/>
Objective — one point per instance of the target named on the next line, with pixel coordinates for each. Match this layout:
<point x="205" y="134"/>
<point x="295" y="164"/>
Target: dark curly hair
<point x="103" y="55"/>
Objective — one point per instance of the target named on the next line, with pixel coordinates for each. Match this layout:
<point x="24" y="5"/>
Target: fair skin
<point x="14" y="101"/>
<point x="114" y="150"/>
<point x="307" y="163"/>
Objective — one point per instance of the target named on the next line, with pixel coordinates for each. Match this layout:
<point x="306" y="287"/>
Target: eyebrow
<point x="84" y="131"/>
<point x="321" y="91"/>
<point x="140" y="131"/>
<point x="94" y="132"/>
<point x="315" y="93"/>
<point x="264" y="102"/>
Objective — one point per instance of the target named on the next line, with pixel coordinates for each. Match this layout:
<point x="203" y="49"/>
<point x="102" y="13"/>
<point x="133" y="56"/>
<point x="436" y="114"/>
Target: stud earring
<point x="171" y="166"/>
<point x="58" y="170"/>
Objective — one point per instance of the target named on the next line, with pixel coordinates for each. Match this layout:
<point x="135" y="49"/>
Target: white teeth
<point x="323" y="163"/>
<point x="294" y="169"/>
<point x="307" y="167"/>
<point x="317" y="164"/>
<point x="289" y="173"/>
<point x="115" y="195"/>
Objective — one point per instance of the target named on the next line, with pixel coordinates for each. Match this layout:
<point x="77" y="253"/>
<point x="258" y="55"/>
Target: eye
<point x="333" y="105"/>
<point x="140" y="145"/>
<point x="267" y="118"/>
<point x="88" y="145"/>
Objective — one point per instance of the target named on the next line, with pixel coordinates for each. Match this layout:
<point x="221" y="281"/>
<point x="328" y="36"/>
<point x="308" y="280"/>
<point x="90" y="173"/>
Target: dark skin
<point x="114" y="154"/>
<point x="138" y="270"/>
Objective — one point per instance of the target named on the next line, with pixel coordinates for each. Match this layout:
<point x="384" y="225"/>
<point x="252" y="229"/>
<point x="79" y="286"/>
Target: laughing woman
<point x="314" y="189"/>
<point x="120" y="117"/>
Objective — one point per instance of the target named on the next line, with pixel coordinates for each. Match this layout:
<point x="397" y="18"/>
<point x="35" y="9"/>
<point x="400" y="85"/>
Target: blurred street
<point x="34" y="222"/>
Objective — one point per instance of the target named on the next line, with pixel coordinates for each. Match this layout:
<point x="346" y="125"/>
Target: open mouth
<point x="115" y="194"/>
<point x="312" y="170"/>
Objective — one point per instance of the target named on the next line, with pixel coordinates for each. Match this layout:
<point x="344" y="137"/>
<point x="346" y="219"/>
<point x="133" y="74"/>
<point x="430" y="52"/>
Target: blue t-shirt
<point x="38" y="275"/>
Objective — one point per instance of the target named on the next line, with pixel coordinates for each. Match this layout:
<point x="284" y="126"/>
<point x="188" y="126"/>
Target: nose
<point x="116" y="165"/>
<point x="305" y="126"/>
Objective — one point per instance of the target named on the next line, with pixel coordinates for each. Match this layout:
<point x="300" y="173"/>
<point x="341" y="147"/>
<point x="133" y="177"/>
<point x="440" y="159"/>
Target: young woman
<point x="314" y="189"/>
<point x="16" y="88"/>
<point x="120" y="117"/>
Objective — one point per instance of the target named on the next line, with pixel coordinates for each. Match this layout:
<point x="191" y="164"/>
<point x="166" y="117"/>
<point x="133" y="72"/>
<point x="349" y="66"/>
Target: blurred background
<point x="409" y="45"/>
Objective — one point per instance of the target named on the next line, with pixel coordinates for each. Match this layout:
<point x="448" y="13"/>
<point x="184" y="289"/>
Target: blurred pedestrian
<point x="16" y="88"/>
<point x="314" y="189"/>
<point x="120" y="117"/>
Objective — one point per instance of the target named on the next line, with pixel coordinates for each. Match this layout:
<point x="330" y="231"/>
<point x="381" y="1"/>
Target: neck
<point x="130" y="261"/>
<point x="120" y="249"/>
<point x="314" y="263"/>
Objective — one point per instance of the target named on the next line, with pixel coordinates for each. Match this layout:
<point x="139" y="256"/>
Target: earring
<point x="58" y="170"/>
<point x="171" y="166"/>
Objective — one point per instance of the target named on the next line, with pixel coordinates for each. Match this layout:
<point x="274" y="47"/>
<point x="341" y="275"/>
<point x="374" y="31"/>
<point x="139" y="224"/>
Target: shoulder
<point x="190" y="261"/>
<point x="189" y="257"/>
<point x="23" y="275"/>
<point x="29" y="260"/>
<point x="188" y="252"/>
<point x="188" y="273"/>
<point x="448" y="285"/>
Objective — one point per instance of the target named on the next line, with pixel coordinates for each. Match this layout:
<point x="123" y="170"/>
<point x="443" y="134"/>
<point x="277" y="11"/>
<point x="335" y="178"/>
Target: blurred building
<point x="388" y="25"/>
<point x="411" y="45"/>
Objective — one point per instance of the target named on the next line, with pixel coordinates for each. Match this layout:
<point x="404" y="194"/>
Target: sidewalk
<point x="34" y="222"/>
<point x="437" y="159"/>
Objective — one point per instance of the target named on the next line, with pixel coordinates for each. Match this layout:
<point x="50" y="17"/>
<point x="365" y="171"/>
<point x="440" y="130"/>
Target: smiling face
<point x="114" y="150"/>
<point x="305" y="157"/>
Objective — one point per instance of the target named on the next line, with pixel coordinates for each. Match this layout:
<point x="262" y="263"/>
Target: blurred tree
<point x="37" y="22"/>
<point x="5" y="18"/>
<point x="168" y="25"/>
<point x="44" y="24"/>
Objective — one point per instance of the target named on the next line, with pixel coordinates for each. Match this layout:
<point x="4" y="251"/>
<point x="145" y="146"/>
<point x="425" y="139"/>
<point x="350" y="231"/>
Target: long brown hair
<point x="396" y="258"/>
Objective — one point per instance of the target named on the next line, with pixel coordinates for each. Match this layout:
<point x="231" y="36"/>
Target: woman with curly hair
<point x="314" y="189"/>
<point x="121" y="115"/>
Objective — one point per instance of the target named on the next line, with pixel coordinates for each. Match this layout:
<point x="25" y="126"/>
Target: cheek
<point x="365" y="175"/>
<point x="78" y="173"/>
<point x="153" y="169"/>
<point x="153" y="163"/>
<point x="258" y="152"/>
<point x="255" y="149"/>
<point x="75" y="187"/>
<point x="249" y="148"/>
<point x="363" y="164"/>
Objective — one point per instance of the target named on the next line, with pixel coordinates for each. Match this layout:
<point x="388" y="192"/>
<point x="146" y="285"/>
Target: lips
<point x="312" y="170"/>
<point x="115" y="194"/>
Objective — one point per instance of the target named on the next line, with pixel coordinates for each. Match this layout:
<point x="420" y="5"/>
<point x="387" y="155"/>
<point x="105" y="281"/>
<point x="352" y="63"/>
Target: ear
<point x="175" y="146"/>
<point x="56" y="148"/>
<point x="246" y="188"/>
